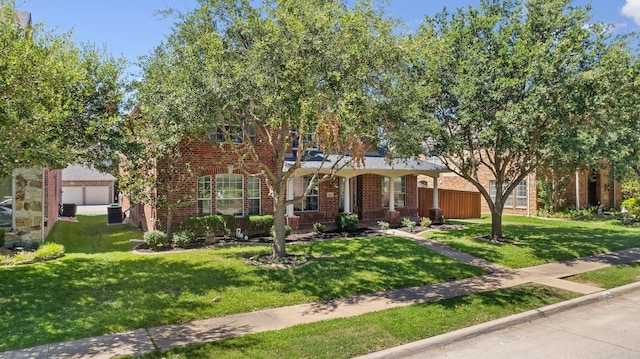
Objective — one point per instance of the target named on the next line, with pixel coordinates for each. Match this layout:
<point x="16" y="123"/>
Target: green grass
<point x="344" y="338"/>
<point x="100" y="286"/>
<point x="611" y="277"/>
<point x="542" y="240"/>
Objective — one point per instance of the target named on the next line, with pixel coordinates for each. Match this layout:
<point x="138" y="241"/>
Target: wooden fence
<point x="454" y="204"/>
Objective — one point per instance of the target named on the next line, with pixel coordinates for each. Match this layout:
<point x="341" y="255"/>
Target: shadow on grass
<point x="79" y="297"/>
<point x="541" y="240"/>
<point x="366" y="265"/>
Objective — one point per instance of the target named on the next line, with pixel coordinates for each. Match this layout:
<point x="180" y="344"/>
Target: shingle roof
<point x="24" y="18"/>
<point x="372" y="164"/>
<point x="83" y="173"/>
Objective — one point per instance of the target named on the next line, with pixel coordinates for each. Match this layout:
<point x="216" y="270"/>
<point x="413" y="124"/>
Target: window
<point x="310" y="203"/>
<point x="253" y="194"/>
<point x="521" y="194"/>
<point x="235" y="131"/>
<point x="230" y="194"/>
<point x="308" y="138"/>
<point x="204" y="196"/>
<point x="521" y="190"/>
<point x="399" y="191"/>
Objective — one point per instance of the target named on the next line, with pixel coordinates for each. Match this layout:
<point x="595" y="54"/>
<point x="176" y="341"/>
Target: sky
<point x="132" y="28"/>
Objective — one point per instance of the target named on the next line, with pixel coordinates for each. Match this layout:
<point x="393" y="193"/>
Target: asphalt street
<point x="607" y="328"/>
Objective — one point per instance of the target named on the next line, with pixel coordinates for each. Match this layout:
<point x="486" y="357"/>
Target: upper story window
<point x="307" y="139"/>
<point x="235" y="132"/>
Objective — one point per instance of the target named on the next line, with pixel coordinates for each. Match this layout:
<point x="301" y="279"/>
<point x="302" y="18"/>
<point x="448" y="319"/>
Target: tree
<point x="54" y="97"/>
<point x="315" y="72"/>
<point x="508" y="87"/>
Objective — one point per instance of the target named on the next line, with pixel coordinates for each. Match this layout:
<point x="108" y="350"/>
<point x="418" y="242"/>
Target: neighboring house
<point x="377" y="190"/>
<point x="30" y="197"/>
<point x="29" y="204"/>
<point x="593" y="188"/>
<point x="82" y="185"/>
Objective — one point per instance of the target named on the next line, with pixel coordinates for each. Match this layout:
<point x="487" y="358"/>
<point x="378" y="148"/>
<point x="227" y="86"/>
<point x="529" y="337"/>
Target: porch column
<point x="435" y="213"/>
<point x="392" y="216"/>
<point x="347" y="195"/>
<point x="289" y="197"/>
<point x="435" y="193"/>
<point x="392" y="200"/>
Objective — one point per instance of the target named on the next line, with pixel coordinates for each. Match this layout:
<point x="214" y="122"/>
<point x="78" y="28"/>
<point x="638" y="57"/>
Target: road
<point x="602" y="329"/>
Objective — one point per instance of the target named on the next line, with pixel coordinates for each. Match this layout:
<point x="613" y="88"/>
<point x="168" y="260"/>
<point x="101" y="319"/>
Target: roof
<point x="24" y="18"/>
<point x="84" y="173"/>
<point x="373" y="164"/>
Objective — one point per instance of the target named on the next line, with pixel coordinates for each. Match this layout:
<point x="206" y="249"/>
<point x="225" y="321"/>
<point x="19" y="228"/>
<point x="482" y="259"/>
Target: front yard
<point x="539" y="240"/>
<point x="100" y="286"/>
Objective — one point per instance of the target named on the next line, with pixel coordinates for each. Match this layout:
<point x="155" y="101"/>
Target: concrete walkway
<point x="165" y="337"/>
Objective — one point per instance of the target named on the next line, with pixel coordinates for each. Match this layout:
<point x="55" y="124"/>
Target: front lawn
<point x="349" y="337"/>
<point x="611" y="277"/>
<point x="541" y="240"/>
<point x="100" y="286"/>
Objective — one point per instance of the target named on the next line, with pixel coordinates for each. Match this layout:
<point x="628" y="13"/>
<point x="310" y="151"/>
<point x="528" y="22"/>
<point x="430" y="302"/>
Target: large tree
<point x="57" y="100"/>
<point x="507" y="87"/>
<point x="313" y="72"/>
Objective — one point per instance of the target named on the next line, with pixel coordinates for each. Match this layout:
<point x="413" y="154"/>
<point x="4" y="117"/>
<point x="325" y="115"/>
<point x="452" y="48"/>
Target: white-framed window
<point x="253" y="194"/>
<point x="399" y="191"/>
<point x="310" y="203"/>
<point x="521" y="194"/>
<point x="204" y="196"/>
<point x="230" y="194"/>
<point x="508" y="202"/>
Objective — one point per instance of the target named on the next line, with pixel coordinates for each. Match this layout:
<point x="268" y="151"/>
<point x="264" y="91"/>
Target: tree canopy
<point x="317" y="73"/>
<point x="509" y="87"/>
<point x="58" y="102"/>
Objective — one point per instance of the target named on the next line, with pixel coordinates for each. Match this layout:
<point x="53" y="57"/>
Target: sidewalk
<point x="165" y="337"/>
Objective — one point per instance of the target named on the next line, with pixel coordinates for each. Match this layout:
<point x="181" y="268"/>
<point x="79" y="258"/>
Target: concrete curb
<point x="499" y="324"/>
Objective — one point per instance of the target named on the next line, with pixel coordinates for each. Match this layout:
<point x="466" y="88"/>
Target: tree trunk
<point x="496" y="223"/>
<point x="279" y="222"/>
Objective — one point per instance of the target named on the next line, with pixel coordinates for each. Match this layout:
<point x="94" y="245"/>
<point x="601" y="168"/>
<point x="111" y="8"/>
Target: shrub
<point x="1" y="237"/>
<point x="182" y="238"/>
<point x="257" y="224"/>
<point x="287" y="231"/>
<point x="209" y="226"/>
<point x="195" y="225"/>
<point x="155" y="239"/>
<point x="425" y="221"/>
<point x="49" y="250"/>
<point x="347" y="222"/>
<point x="408" y="222"/>
<point x="383" y="225"/>
<point x="319" y="228"/>
<point x="632" y="205"/>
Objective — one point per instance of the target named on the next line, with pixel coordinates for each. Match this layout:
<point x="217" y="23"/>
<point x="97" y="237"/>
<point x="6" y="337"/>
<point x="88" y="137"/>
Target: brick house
<point x="218" y="186"/>
<point x="586" y="189"/>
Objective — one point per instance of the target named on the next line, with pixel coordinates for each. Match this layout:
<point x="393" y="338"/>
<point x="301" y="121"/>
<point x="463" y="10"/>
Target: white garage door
<point x="72" y="195"/>
<point x="97" y="195"/>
